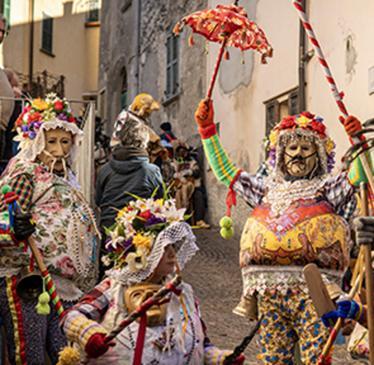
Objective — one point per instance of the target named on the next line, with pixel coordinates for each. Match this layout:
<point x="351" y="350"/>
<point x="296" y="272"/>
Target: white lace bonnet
<point x="143" y="230"/>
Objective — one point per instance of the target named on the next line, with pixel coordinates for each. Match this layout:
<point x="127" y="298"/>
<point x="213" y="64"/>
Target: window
<point x="93" y="11"/>
<point x="280" y="106"/>
<point x="47" y="34"/>
<point x="172" y="66"/>
<point x="272" y="115"/>
<point x="124" y="90"/>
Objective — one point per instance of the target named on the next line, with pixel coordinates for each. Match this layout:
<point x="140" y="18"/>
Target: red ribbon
<point x="140" y="341"/>
<point x="231" y="195"/>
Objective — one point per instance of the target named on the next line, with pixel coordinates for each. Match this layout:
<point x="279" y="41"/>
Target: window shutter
<point x="272" y="115"/>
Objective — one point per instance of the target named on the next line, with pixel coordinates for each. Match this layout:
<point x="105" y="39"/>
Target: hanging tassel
<point x="191" y="40"/>
<point x="226" y="55"/>
<point x="242" y="58"/>
<point x="226" y="223"/>
<point x="69" y="356"/>
<point x="43" y="307"/>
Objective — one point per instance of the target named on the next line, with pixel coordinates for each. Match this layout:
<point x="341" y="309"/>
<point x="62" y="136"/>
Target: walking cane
<point x="368" y="277"/>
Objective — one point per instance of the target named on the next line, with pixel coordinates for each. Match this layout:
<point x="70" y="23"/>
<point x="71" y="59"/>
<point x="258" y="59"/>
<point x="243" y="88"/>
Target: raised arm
<point x="224" y="170"/>
<point x="250" y="187"/>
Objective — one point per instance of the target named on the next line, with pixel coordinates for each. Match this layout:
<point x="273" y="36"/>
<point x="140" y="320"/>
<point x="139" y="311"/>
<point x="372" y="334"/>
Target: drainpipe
<point x="302" y="63"/>
<point x="31" y="43"/>
<point x="138" y="37"/>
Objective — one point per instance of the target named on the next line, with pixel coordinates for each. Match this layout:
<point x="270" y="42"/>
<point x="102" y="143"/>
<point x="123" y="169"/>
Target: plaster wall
<point x="75" y="50"/>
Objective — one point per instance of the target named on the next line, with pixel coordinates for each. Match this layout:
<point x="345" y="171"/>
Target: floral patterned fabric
<point x="307" y="231"/>
<point x="289" y="319"/>
<point x="65" y="231"/>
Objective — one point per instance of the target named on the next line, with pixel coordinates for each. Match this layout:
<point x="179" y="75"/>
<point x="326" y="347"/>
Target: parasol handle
<point x="216" y="68"/>
<point x="368" y="277"/>
<point x="330" y="79"/>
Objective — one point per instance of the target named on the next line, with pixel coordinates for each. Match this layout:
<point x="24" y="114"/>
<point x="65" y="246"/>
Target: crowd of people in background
<point x="142" y="163"/>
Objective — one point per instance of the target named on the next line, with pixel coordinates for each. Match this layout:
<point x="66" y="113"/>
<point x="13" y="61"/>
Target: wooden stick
<point x="368" y="277"/>
<point x="334" y="332"/>
<point x="138" y="312"/>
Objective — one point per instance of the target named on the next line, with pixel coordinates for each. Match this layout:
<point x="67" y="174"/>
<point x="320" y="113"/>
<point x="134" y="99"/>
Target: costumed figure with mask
<point x="140" y="110"/>
<point x="150" y="242"/>
<point x="55" y="214"/>
<point x="300" y="216"/>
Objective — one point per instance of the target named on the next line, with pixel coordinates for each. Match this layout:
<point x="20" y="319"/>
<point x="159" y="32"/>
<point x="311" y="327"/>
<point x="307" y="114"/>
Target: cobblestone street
<point x="215" y="276"/>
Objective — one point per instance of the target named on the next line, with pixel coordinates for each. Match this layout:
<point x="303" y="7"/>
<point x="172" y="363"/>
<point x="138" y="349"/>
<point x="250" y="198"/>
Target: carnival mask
<point x="58" y="143"/>
<point x="300" y="157"/>
<point x="137" y="294"/>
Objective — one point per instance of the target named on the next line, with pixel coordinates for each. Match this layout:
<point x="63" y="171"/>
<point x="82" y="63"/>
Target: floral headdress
<point x="303" y="125"/>
<point x="142" y="231"/>
<point x="43" y="114"/>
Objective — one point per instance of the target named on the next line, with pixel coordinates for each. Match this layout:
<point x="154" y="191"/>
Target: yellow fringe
<point x="69" y="356"/>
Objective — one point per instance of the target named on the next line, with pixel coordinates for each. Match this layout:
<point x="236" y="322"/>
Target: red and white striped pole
<point x="330" y="79"/>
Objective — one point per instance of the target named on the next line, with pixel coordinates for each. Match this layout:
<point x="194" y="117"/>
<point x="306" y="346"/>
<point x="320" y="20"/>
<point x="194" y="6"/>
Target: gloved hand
<point x="346" y="309"/>
<point x="23" y="227"/>
<point x="239" y="360"/>
<point x="96" y="345"/>
<point x="364" y="227"/>
<point x="204" y="114"/>
<point x="351" y="124"/>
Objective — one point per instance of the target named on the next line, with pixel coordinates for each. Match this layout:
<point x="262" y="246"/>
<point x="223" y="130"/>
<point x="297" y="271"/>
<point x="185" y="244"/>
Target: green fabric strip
<point x="223" y="168"/>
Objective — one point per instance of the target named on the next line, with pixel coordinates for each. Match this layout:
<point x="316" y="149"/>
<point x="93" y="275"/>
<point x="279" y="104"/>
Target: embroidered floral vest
<point x="65" y="231"/>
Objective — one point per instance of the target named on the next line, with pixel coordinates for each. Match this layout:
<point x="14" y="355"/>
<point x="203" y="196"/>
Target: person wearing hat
<point x="54" y="213"/>
<point x="149" y="244"/>
<point x="300" y="215"/>
<point x="167" y="135"/>
<point x="129" y="173"/>
<point x="187" y="183"/>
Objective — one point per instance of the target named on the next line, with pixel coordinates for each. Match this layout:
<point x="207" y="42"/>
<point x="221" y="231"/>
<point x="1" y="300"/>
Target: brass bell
<point x="29" y="284"/>
<point x="334" y="290"/>
<point x="247" y="307"/>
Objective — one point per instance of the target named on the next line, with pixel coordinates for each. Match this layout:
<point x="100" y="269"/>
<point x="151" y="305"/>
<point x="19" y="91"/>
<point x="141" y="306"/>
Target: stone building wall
<point x="158" y="18"/>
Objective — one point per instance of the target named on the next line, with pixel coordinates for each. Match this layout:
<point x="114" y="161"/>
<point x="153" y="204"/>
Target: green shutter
<point x="6" y="10"/>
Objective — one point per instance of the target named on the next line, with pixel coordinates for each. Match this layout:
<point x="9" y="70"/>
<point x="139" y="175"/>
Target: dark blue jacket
<point x="117" y="178"/>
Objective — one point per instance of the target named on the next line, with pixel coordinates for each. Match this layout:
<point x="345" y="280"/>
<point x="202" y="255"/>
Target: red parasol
<point x="230" y="26"/>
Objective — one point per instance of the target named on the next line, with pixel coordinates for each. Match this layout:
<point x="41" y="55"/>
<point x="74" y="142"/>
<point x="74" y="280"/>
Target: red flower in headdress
<point x="318" y="127"/>
<point x="287" y="123"/>
<point x="58" y="106"/>
<point x="308" y="115"/>
<point x="34" y="117"/>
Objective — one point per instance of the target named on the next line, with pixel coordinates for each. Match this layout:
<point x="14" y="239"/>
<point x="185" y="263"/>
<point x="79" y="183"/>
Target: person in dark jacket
<point x="128" y="174"/>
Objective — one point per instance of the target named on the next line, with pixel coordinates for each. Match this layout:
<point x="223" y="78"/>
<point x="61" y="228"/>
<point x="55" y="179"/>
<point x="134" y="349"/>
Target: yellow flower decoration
<point x="329" y="145"/>
<point x="122" y="212"/>
<point x="39" y="104"/>
<point x="302" y="121"/>
<point x="142" y="241"/>
<point x="273" y="137"/>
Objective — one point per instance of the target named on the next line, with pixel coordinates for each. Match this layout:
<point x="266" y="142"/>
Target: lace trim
<point x="30" y="149"/>
<point x="178" y="234"/>
<point x="261" y="278"/>
<point x="281" y="194"/>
